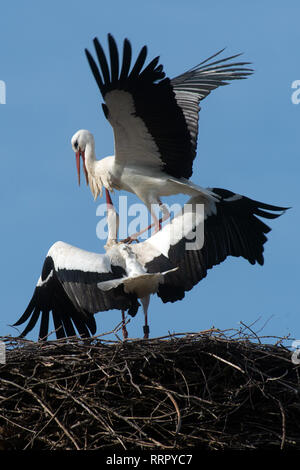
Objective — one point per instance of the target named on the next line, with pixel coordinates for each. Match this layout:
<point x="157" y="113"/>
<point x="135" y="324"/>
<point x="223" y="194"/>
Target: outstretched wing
<point x="155" y="119"/>
<point x="194" y="85"/>
<point x="232" y="227"/>
<point x="68" y="288"/>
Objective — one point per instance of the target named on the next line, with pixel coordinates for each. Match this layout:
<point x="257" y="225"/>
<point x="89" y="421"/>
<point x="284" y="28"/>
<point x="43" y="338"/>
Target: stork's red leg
<point x="124" y="329"/>
<point x="134" y="237"/>
<point x="146" y="329"/>
<point x="145" y="302"/>
<point x="108" y="198"/>
<point x="157" y="224"/>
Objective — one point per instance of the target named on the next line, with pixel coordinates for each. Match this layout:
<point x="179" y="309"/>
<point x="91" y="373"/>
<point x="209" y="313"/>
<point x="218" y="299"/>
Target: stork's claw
<point x="129" y="240"/>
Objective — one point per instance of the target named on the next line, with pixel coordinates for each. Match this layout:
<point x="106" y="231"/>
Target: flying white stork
<point x="155" y="124"/>
<point x="75" y="284"/>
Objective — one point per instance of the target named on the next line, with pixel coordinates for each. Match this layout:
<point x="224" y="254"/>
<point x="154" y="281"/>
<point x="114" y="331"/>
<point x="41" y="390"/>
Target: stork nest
<point x="211" y="391"/>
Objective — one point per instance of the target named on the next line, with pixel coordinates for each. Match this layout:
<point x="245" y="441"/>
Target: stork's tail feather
<point x="141" y="285"/>
<point x="232" y="227"/>
<point x="239" y="203"/>
<point x="188" y="187"/>
<point x="241" y="217"/>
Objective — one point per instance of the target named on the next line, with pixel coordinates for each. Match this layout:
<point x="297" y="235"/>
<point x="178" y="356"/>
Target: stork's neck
<point x="90" y="156"/>
<point x="133" y="266"/>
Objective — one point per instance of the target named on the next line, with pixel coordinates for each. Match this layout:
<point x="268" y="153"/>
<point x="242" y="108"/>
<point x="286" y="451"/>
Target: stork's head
<point x="79" y="142"/>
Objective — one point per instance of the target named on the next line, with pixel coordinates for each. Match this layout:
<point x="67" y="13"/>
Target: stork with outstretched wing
<point x="155" y="124"/>
<point x="75" y="284"/>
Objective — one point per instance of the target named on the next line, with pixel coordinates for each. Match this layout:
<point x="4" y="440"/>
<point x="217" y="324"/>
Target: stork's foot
<point x="134" y="238"/>
<point x="146" y="330"/>
<point x="131" y="239"/>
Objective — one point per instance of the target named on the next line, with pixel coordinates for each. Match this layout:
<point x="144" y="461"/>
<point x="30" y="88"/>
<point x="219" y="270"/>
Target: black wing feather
<point x="127" y="54"/>
<point x="73" y="297"/>
<point x="95" y="70"/>
<point x="102" y="61"/>
<point x="234" y="230"/>
<point x="44" y="324"/>
<point x="32" y="322"/>
<point x="58" y="325"/>
<point x="114" y="59"/>
<point x="168" y="108"/>
<point x="140" y="61"/>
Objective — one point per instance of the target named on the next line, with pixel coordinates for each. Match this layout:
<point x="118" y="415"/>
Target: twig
<point x="283" y="424"/>
<point x="30" y="392"/>
<point x="226" y="362"/>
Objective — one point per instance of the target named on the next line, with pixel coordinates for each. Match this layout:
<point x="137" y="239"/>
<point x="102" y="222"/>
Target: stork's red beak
<point x="78" y="154"/>
<point x="78" y="166"/>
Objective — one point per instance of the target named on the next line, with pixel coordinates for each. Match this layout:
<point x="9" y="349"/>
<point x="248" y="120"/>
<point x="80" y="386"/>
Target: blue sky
<point x="248" y="143"/>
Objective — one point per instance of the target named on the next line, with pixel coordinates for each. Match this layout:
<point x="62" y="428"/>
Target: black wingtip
<point x="28" y="311"/>
<point x="140" y="61"/>
<point x="95" y="70"/>
<point x="105" y="110"/>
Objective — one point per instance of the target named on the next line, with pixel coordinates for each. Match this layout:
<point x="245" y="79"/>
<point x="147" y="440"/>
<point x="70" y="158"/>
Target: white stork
<point x="155" y="124"/>
<point x="75" y="284"/>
